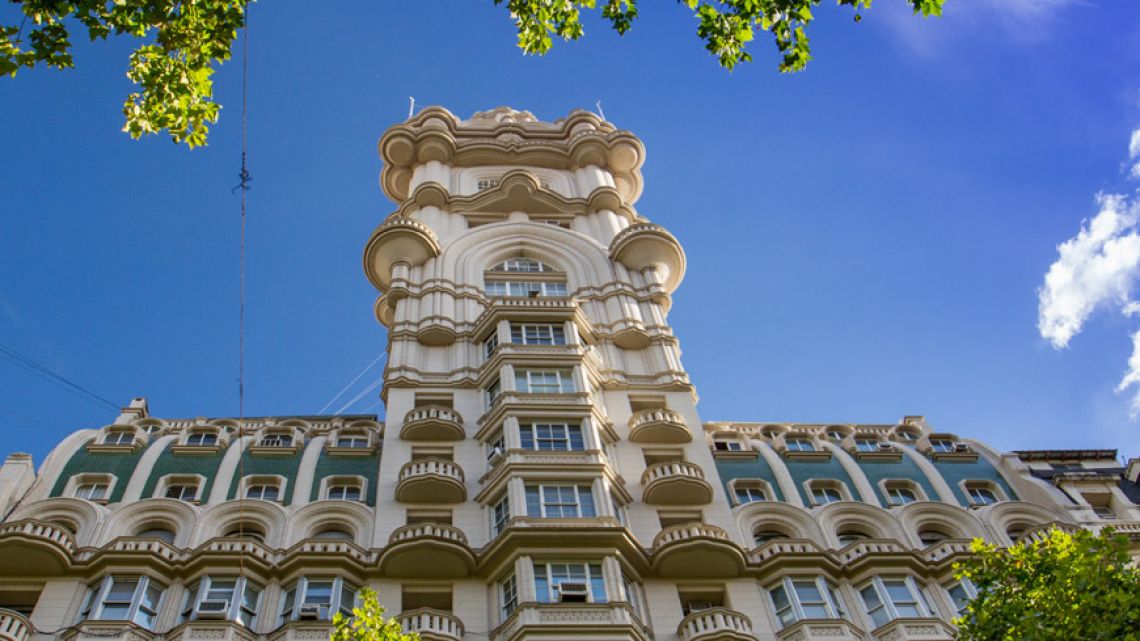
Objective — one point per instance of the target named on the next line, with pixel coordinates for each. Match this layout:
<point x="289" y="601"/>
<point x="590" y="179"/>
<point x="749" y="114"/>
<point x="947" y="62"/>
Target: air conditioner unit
<point x="311" y="611"/>
<point x="496" y="455"/>
<point x="962" y="447"/>
<point x="572" y="592"/>
<point x="213" y="609"/>
<point x="885" y="446"/>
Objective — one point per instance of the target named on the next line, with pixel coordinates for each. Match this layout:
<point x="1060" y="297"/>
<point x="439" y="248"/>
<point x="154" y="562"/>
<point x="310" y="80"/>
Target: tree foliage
<point x="1077" y="586"/>
<point x="185" y="40"/>
<point x="368" y="623"/>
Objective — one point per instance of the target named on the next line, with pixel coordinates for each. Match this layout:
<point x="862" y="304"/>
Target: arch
<point x="955" y="522"/>
<point x="1006" y="514"/>
<point x="132" y="517"/>
<point x="357" y="518"/>
<point x="792" y="521"/>
<point x="87" y="517"/>
<point x="217" y="519"/>
<point x="847" y="515"/>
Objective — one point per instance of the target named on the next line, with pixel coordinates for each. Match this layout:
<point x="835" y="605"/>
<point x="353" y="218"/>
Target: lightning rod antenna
<point x="411" y="106"/>
<point x="600" y="112"/>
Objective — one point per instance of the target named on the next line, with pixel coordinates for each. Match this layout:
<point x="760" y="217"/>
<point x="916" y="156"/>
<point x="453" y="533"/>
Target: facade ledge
<point x="586" y="462"/>
<point x="302" y="631"/>
<point x="959" y="457"/>
<point x="350" y="451"/>
<point x="716" y="624"/>
<point x="815" y="455"/>
<point x="920" y="629"/>
<point x="675" y="483"/>
<point x="427" y="550"/>
<point x="213" y="630"/>
<point x="511" y="401"/>
<point x="96" y="446"/>
<point x="106" y="630"/>
<point x="13" y="626"/>
<point x="431" y="624"/>
<point x="659" y="425"/>
<point x="196" y="450"/>
<point x="819" y="629"/>
<point x="602" y="621"/>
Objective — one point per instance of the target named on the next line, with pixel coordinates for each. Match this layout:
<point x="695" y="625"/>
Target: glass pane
<point x="115" y="612"/>
<point x="122" y="590"/>
<point x="533" y="503"/>
<point x="319" y="592"/>
<point x="597" y="584"/>
<point x="898" y="591"/>
<point x="586" y="499"/>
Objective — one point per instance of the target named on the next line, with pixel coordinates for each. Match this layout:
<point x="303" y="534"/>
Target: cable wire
<point x="33" y="366"/>
<point x="353" y="381"/>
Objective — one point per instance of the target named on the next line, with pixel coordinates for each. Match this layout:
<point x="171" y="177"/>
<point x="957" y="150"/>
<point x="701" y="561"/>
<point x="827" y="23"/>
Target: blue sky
<point x="865" y="239"/>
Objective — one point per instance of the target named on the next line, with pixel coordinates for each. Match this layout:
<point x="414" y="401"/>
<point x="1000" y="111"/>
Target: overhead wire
<point x="353" y="381"/>
<point x="245" y="177"/>
<point x="359" y="396"/>
<point x="33" y="366"/>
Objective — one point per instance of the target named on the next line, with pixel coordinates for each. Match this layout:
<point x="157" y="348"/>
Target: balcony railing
<point x="417" y="531"/>
<point x="431" y="481"/>
<point x="13" y="626"/>
<point x="675" y="483"/>
<point x="432" y="624"/>
<point x="39" y="530"/>
<point x="689" y="531"/>
<point x="573" y="619"/>
<point x="659" y="425"/>
<point x="715" y="623"/>
<point x="432" y="423"/>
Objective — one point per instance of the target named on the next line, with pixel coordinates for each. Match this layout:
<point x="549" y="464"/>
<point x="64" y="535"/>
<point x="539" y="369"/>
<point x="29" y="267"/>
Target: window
<point x="500" y="514"/>
<point x="890" y="598"/>
<point x="157" y="532"/>
<point x="490" y="345"/>
<point x="182" y="491"/>
<point x="619" y="510"/>
<point x="493" y="391"/>
<point x="728" y="446"/>
<point x="276" y="440"/>
<point x="525" y="289"/>
<point x="847" y="537"/>
<point x="537" y="381"/>
<point x="633" y="595"/>
<point x="749" y="494"/>
<point x="563" y="582"/>
<point x="508" y="597"/>
<point x="799" y="445"/>
<point x="523" y="265"/>
<point x="824" y="494"/>
<point x="930" y="536"/>
<point x="334" y="534"/>
<point x="96" y="491"/>
<point x="262" y="491"/>
<point x="798" y="598"/>
<point x="484" y="184"/>
<point x="941" y="445"/>
<point x="353" y="441"/>
<point x="245" y="531"/>
<point x="906" y="435"/>
<point x="961" y="594"/>
<point x="981" y="494"/>
<point x="898" y="494"/>
<point x="317" y="598"/>
<point x="214" y="598"/>
<point x="202" y="439"/>
<point x="119" y="437"/>
<point x="867" y="445"/>
<point x="1104" y="511"/>
<point x="124" y="598"/>
<point x="344" y="491"/>
<point x="496" y="447"/>
<point x="560" y="501"/>
<point x="835" y="435"/>
<point x="544" y="334"/>
<point x="552" y="437"/>
<point x="760" y="537"/>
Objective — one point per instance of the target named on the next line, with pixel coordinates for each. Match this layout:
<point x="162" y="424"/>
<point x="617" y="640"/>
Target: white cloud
<point x="1020" y="21"/>
<point x="1132" y="376"/>
<point x="1096" y="268"/>
<point x="1134" y="154"/>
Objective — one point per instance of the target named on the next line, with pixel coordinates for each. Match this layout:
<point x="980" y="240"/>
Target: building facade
<point x="541" y="472"/>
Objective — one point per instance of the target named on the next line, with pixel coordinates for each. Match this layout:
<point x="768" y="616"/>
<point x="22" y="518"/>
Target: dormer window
<point x="93" y="491"/>
<point x="262" y="491"/>
<point x="354" y="441"/>
<point x="202" y="439"/>
<point x="942" y="445"/>
<point x="344" y="488"/>
<point x="91" y="487"/>
<point x="981" y="494"/>
<point x="799" y="445"/>
<point x="182" y="491"/>
<point x="276" y="440"/>
<point x="483" y="184"/>
<point x="867" y="444"/>
<point x="827" y="491"/>
<point x="119" y="437"/>
<point x="749" y="493"/>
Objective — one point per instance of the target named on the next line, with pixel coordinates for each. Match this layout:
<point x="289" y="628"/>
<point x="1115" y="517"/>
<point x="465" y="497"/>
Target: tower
<point x="537" y="408"/>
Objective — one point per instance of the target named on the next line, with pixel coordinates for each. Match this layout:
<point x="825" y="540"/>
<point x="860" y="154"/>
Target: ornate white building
<point x="541" y="473"/>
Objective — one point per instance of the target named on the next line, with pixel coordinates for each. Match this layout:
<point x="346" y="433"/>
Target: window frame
<point x="555" y="334"/>
<point x="573" y="436"/>
<point x="543" y="572"/>
<point x="545" y="503"/>
<point x="237" y="612"/>
<point x="969" y="590"/>
<point x="564" y="381"/>
<point x="95" y="604"/>
<point x="800" y="444"/>
<point x="831" y="604"/>
<point x="887" y="603"/>
<point x="299" y="590"/>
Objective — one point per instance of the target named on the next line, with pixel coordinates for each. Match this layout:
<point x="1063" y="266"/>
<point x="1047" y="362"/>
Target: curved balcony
<point x="648" y="246"/>
<point x="914" y="630"/>
<point x="432" y="625"/>
<point x="716" y="624"/>
<point x="658" y="425"/>
<point x="432" y="423"/>
<point x="607" y="621"/>
<point x="697" y="550"/>
<point x="431" y="480"/>
<point x="397" y="240"/>
<point x="820" y="630"/>
<point x="13" y="626"/>
<point x="34" y="547"/>
<point x="675" y="483"/>
<point x="427" y="550"/>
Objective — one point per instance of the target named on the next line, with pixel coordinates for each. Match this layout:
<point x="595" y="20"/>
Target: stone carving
<point x="503" y="115"/>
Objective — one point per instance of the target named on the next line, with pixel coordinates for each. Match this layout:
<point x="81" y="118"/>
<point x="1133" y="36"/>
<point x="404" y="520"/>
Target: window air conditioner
<point x="496" y="456"/>
<point x="572" y="592"/>
<point x="213" y="609"/>
<point x="961" y="447"/>
<point x="310" y="611"/>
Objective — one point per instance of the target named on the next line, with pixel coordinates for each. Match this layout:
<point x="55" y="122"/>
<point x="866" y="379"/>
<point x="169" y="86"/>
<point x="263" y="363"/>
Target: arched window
<point x="157" y="531"/>
<point x="762" y="536"/>
<point x="522" y="265"/>
<point x="848" y="536"/>
<point x="929" y="536"/>
<point x="245" y="530"/>
<point x="334" y="534"/>
<point x="524" y="278"/>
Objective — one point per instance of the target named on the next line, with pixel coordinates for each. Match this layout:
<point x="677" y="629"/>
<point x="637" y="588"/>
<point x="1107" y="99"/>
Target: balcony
<point x="215" y="630"/>
<point x="716" y="624"/>
<point x="675" y="483"/>
<point x="914" y="630"/>
<point x="34" y="547"/>
<point x="820" y="630"/>
<point x="302" y="631"/>
<point x="600" y="621"/>
<point x="13" y="626"/>
<point x="427" y="550"/>
<point x="432" y="423"/>
<point x="696" y="550"/>
<point x="658" y="426"/>
<point x="431" y="481"/>
<point x="432" y="625"/>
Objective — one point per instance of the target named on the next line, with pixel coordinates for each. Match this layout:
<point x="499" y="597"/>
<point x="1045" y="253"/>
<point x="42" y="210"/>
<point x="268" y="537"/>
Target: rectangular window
<point x="345" y="492"/>
<point x="552" y="437"/>
<point x="619" y="510"/>
<point x="490" y="345"/>
<point x="568" y="582"/>
<point x="891" y="598"/>
<point x="727" y="446"/>
<point x="276" y="440"/>
<point x="262" y="491"/>
<point x="119" y="438"/>
<point x="560" y="501"/>
<point x="493" y="391"/>
<point x="538" y="334"/>
<point x="92" y="491"/>
<point x="524" y="289"/>
<point x="508" y="597"/>
<point x="535" y="381"/>
<point x="317" y="599"/>
<point x="496" y="448"/>
<point x="182" y="491"/>
<point x="125" y="599"/>
<point x="202" y="439"/>
<point x="747" y="494"/>
<point x="213" y="598"/>
<point x="961" y="594"/>
<point x="354" y="442"/>
<point x="798" y="598"/>
<point x="500" y="514"/>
